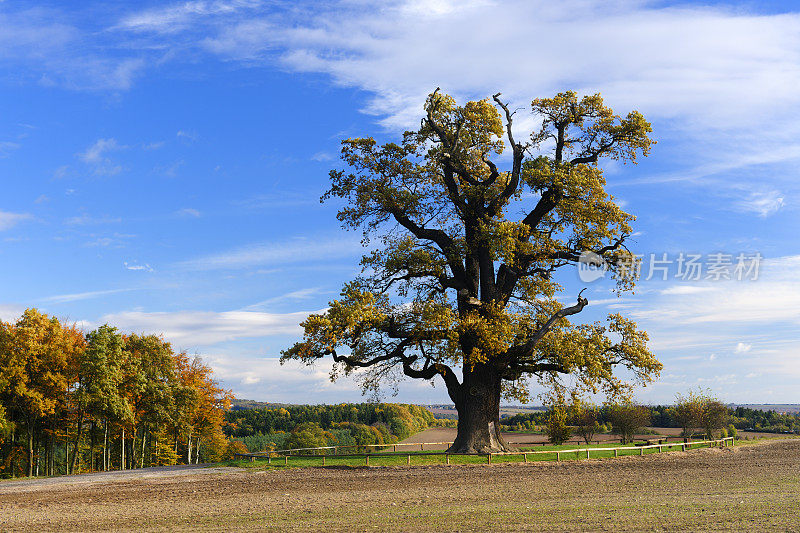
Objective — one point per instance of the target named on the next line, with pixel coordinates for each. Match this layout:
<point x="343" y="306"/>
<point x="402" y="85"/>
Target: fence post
<point x="394" y="448"/>
<point x="409" y="460"/>
<point x="269" y="459"/>
<point x="488" y="458"/>
<point x="367" y="462"/>
<point x="587" y="453"/>
<point x="526" y="457"/>
<point x="641" y="451"/>
<point x="323" y="460"/>
<point x="558" y="456"/>
<point x="421" y="446"/>
<point x="616" y="451"/>
<point x="285" y="459"/>
<point x="447" y="458"/>
<point x="660" y="449"/>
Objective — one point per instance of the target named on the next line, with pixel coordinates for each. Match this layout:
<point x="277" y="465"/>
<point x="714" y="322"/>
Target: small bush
<point x="558" y="432"/>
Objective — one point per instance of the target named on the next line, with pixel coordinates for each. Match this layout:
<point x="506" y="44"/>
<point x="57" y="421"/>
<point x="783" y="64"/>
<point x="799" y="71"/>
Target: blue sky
<point x="161" y="164"/>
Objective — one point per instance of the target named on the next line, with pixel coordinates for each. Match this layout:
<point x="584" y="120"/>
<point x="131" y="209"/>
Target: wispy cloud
<point x="85" y="219"/>
<point x="8" y="220"/>
<point x="188" y="136"/>
<point x="65" y="298"/>
<point x="177" y="17"/>
<point x="281" y="253"/>
<point x="293" y="296"/>
<point x="137" y="267"/>
<point x="6" y="147"/>
<point x="763" y="204"/>
<point x="96" y="155"/>
<point x="194" y="328"/>
<point x="687" y="289"/>
<point x="279" y="200"/>
<point x="188" y="212"/>
<point x="44" y="48"/>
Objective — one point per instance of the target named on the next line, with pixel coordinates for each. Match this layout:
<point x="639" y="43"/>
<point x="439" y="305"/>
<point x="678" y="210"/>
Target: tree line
<point x="311" y="426"/>
<point x="695" y="413"/>
<point x="72" y="402"/>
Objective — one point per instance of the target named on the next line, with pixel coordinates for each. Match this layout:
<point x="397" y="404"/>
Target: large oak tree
<point x="458" y="284"/>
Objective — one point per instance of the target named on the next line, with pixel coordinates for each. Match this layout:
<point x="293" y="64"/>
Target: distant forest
<point x="278" y="426"/>
<point x="664" y="416"/>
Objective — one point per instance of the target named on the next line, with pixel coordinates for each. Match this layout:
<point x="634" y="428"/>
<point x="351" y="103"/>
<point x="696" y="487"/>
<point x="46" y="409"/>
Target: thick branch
<point x="519" y="354"/>
<point x="516" y="167"/>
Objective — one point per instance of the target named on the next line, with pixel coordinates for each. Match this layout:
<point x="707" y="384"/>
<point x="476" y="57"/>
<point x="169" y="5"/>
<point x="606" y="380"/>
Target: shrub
<point x="234" y="446"/>
<point x="308" y="435"/>
<point x="558" y="432"/>
<point x="628" y="419"/>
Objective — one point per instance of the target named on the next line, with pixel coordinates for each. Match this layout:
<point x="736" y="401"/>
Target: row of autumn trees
<point x="73" y="402"/>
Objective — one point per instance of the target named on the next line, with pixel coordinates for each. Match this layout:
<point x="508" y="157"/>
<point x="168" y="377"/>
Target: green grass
<point x="420" y="459"/>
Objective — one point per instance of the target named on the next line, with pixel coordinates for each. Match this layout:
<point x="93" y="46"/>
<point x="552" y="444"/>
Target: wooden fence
<point x="286" y="454"/>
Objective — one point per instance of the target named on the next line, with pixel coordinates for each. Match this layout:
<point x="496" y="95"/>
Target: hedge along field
<point x="312" y="426"/>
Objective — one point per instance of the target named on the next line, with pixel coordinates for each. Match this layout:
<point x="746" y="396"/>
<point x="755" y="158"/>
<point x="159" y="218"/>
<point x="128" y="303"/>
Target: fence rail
<point x="286" y="454"/>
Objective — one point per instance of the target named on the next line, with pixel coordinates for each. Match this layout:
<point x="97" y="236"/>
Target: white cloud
<point x="292" y="252"/>
<point x="10" y="313"/>
<point x="188" y="136"/>
<point x="743" y="347"/>
<point x="302" y="294"/>
<point x="85" y="219"/>
<point x="8" y="220"/>
<point x="64" y="298"/>
<point x="687" y="289"/>
<point x="96" y="156"/>
<point x="201" y="328"/>
<point x="322" y="157"/>
<point x="145" y="267"/>
<point x="709" y="64"/>
<point x="96" y="152"/>
<point x="188" y="212"/>
<point x="763" y="204"/>
<point x="43" y="47"/>
<point x="6" y="147"/>
<point x="177" y="17"/>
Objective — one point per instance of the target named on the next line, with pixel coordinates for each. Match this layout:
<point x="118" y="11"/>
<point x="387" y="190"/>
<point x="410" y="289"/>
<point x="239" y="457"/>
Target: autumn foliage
<point x="72" y="402"/>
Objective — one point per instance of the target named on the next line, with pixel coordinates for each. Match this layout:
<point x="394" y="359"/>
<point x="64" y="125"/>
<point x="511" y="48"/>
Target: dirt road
<point x="747" y="487"/>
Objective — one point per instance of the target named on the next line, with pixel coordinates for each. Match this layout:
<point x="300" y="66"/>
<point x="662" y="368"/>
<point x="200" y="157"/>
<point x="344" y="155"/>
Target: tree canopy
<point x="456" y="280"/>
<point x="66" y="395"/>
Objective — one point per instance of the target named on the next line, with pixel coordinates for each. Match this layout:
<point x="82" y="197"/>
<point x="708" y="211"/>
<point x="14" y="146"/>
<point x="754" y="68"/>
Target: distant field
<point x="749" y="487"/>
<point x="521" y="439"/>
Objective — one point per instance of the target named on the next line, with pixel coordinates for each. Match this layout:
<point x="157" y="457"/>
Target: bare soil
<point x="754" y="486"/>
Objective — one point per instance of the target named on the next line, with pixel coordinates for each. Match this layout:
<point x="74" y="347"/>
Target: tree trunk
<point x="122" y="450"/>
<point x="76" y="446"/>
<point x="478" y="405"/>
<point x="144" y="439"/>
<point x="105" y="445"/>
<point x="30" y="448"/>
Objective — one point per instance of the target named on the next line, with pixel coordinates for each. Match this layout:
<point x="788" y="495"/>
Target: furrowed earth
<point x="753" y="486"/>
